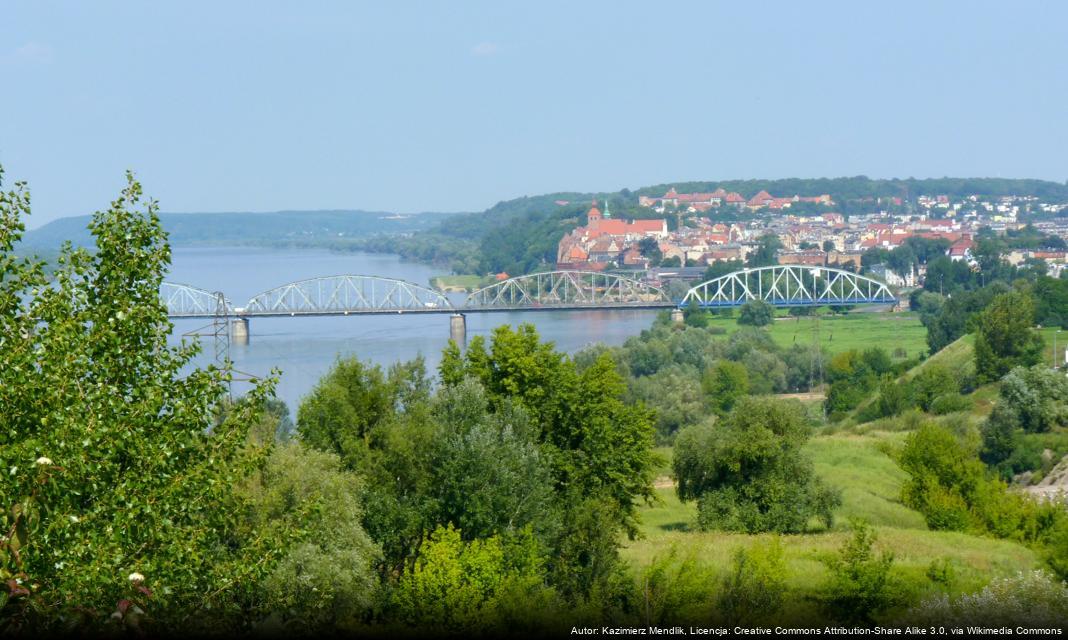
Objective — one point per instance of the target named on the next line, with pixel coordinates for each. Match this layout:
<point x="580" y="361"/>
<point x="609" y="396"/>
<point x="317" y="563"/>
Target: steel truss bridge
<point x="790" y="286"/>
<point x="371" y="295"/>
<point x="781" y="286"/>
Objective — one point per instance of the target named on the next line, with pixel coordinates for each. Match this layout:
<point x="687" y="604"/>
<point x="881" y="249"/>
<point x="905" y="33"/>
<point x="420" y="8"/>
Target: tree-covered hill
<point x="251" y="228"/>
<point x="521" y="235"/>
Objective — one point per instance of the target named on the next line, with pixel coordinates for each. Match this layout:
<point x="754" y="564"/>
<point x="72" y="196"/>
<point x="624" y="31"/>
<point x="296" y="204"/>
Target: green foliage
<point x="1005" y="337"/>
<point x="1038" y="396"/>
<point x="861" y="584"/>
<point x="674" y="590"/>
<point x="949" y="403"/>
<point x="767" y="252"/>
<point x="951" y="487"/>
<point x="724" y="384"/>
<point x="460" y="586"/>
<point x="328" y="579"/>
<point x="755" y="587"/>
<point x="1034" y="600"/>
<point x="747" y="471"/>
<point x="932" y="381"/>
<point x="118" y="475"/>
<point x="756" y="313"/>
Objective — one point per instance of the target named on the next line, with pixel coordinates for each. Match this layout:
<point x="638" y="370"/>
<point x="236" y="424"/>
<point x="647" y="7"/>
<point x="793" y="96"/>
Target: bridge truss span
<point x="344" y="295"/>
<point x="790" y="286"/>
<point x="567" y="290"/>
<point x="184" y="301"/>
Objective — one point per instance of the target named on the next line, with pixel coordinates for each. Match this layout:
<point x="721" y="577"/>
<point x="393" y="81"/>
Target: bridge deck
<point x="436" y="310"/>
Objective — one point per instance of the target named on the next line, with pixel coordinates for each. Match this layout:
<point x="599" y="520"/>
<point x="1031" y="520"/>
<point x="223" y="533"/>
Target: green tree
<point x="748" y="473"/>
<point x="756" y="313"/>
<point x="328" y="579"/>
<point x="767" y="252"/>
<point x="1005" y="336"/>
<point x="724" y="383"/>
<point x="460" y="586"/>
<point x="119" y="475"/>
<point x="1038" y="396"/>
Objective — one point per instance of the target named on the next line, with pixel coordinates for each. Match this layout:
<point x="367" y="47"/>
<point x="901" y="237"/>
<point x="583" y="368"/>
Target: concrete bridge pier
<point x="677" y="316"/>
<point x="458" y="329"/>
<point x="239" y="331"/>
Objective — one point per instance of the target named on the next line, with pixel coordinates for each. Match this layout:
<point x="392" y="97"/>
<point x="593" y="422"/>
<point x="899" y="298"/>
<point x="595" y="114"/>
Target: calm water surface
<point x="305" y="348"/>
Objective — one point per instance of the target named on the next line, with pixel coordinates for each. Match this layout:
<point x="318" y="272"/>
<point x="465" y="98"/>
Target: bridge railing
<point x="185" y="301"/>
<point x="790" y="286"/>
<point x="566" y="289"/>
<point x="343" y="294"/>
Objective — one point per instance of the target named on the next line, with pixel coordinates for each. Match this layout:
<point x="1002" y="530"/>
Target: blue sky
<point x="453" y="106"/>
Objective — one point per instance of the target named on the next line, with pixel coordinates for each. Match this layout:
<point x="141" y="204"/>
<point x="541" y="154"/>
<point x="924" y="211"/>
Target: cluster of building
<point x="824" y="239"/>
<point x="697" y="202"/>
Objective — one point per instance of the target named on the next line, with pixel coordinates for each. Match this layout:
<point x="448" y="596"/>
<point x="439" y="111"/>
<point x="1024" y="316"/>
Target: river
<point x="305" y="348"/>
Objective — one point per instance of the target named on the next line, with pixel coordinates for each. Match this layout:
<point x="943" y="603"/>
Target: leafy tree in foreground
<point x="118" y="477"/>
<point x="748" y="473"/>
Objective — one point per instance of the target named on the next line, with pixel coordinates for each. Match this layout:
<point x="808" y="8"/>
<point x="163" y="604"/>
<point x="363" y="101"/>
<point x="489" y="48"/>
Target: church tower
<point x="593" y="216"/>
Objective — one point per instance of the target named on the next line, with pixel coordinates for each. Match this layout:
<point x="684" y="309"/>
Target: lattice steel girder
<point x="183" y="300"/>
<point x="345" y="294"/>
<point x="565" y="289"/>
<point x="790" y="286"/>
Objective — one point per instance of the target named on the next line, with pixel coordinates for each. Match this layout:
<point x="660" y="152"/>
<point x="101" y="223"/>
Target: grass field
<point x="852" y="331"/>
<point x="871" y="487"/>
<point x="456" y="283"/>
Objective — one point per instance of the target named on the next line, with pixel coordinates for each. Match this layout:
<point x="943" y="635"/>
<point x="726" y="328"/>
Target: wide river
<point x="305" y="348"/>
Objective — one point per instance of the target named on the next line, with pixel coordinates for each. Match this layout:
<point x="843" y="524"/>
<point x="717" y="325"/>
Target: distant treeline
<point x="252" y="228"/>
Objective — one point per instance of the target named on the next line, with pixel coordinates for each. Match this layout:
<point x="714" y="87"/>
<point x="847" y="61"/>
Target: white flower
<point x="136" y="578"/>
<point x="74" y="519"/>
<point x="13" y="470"/>
<point x="43" y="461"/>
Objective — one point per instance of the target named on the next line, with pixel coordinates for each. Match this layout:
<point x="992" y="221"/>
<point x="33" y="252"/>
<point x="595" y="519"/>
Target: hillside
<point x="277" y="227"/>
<point x="521" y="235"/>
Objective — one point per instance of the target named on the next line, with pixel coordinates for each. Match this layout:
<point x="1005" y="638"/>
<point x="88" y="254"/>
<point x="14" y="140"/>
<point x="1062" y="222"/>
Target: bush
<point x="1034" y="600"/>
<point x="1038" y="395"/>
<point x="861" y="584"/>
<point x="675" y="590"/>
<point x="755" y="587"/>
<point x="747" y="472"/>
<point x="932" y="381"/>
<point x="950" y="403"/>
<point x="756" y="313"/>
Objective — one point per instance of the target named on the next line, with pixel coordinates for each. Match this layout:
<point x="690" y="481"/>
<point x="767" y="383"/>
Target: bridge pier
<point x="239" y="331"/>
<point x="677" y="316"/>
<point x="458" y="329"/>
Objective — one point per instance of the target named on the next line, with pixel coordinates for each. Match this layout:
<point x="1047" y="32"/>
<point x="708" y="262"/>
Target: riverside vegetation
<point x="519" y="488"/>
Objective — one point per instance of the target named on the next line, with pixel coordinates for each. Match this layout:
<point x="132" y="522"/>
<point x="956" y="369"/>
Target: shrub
<point x="755" y="586"/>
<point x="747" y="471"/>
<point x="675" y="590"/>
<point x="1034" y="599"/>
<point x="756" y="313"/>
<point x="861" y="584"/>
<point x="950" y="403"/>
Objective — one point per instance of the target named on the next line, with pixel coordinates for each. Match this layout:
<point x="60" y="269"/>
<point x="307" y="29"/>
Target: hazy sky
<point x="454" y="106"/>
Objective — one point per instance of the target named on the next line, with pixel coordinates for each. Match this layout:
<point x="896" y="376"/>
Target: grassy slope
<point x="871" y="486"/>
